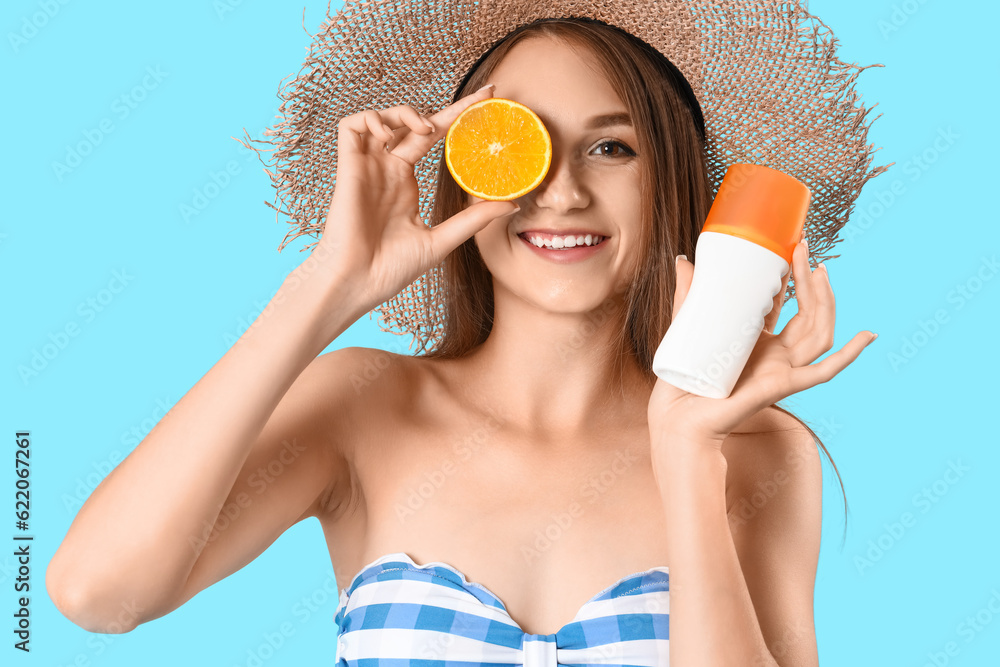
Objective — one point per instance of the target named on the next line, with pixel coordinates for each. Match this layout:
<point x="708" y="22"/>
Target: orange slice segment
<point x="498" y="149"/>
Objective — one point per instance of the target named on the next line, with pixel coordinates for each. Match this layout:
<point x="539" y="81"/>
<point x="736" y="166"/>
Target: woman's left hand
<point x="779" y="365"/>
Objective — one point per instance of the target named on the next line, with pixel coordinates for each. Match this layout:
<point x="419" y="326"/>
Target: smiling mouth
<point x="562" y="241"/>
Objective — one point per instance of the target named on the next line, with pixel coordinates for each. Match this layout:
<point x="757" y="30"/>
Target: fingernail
<point x="511" y="212"/>
<point x="872" y="340"/>
<point x="489" y="85"/>
<point x="678" y="258"/>
<point x="805" y="243"/>
<point x="387" y="128"/>
<point x="428" y="124"/>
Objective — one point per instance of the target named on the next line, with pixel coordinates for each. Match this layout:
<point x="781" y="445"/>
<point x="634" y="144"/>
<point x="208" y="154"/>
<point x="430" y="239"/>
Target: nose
<point x="561" y="190"/>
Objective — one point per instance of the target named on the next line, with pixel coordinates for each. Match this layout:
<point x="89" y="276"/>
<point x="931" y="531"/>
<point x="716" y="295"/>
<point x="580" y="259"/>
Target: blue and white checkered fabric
<point x="399" y="614"/>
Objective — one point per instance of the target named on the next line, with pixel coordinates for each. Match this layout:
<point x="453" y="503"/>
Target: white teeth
<point x="564" y="241"/>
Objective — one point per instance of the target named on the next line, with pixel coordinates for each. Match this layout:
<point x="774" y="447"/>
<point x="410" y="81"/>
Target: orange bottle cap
<point x="762" y="205"/>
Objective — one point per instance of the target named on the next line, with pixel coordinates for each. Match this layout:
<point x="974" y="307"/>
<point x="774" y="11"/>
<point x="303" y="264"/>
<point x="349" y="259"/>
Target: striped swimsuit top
<point x="396" y="613"/>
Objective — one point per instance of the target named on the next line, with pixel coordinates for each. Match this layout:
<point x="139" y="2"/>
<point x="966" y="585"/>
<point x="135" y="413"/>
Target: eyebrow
<point x="609" y="120"/>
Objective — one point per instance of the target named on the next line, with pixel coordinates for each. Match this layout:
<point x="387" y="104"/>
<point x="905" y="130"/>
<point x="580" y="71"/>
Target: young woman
<point x="529" y="480"/>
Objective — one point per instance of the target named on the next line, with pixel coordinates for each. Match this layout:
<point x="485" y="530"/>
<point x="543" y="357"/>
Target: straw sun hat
<point x="764" y="72"/>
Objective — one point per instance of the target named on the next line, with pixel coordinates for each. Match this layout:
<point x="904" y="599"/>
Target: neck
<point x="558" y="375"/>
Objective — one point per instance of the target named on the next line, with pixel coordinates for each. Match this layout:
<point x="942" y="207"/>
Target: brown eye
<point x="626" y="152"/>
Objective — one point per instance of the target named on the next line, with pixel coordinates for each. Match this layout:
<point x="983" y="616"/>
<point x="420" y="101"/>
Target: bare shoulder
<point x="365" y="373"/>
<point x="774" y="496"/>
<point x="362" y="382"/>
<point x="766" y="451"/>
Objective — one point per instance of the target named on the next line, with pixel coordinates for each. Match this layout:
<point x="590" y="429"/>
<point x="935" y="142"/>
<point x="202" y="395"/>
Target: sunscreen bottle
<point x="743" y="252"/>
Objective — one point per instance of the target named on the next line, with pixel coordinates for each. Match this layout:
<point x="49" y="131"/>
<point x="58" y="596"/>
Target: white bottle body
<point x="707" y="345"/>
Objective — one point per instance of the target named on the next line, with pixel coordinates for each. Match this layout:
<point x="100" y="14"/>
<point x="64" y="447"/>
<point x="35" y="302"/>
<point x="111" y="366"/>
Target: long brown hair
<point x="675" y="191"/>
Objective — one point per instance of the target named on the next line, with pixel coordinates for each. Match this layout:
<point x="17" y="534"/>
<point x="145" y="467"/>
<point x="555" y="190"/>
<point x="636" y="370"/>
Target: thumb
<point x="684" y="273"/>
<point x="460" y="227"/>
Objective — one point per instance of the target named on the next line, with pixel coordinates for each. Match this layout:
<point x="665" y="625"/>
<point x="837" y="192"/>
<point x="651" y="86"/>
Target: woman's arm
<point x="714" y="622"/>
<point x="714" y="619"/>
<point x="130" y="552"/>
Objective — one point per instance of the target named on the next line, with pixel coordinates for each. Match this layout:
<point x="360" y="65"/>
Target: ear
<point x="685" y="273"/>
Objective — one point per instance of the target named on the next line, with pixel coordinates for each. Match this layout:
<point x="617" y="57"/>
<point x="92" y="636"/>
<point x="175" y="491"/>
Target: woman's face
<point x="592" y="186"/>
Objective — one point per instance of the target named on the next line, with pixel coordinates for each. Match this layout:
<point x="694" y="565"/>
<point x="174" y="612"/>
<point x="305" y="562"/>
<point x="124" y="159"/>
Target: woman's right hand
<point x="374" y="238"/>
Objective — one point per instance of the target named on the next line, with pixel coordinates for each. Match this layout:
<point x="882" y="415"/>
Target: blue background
<point x="915" y="404"/>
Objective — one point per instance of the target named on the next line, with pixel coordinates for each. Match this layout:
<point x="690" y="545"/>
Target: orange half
<point x="498" y="149"/>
